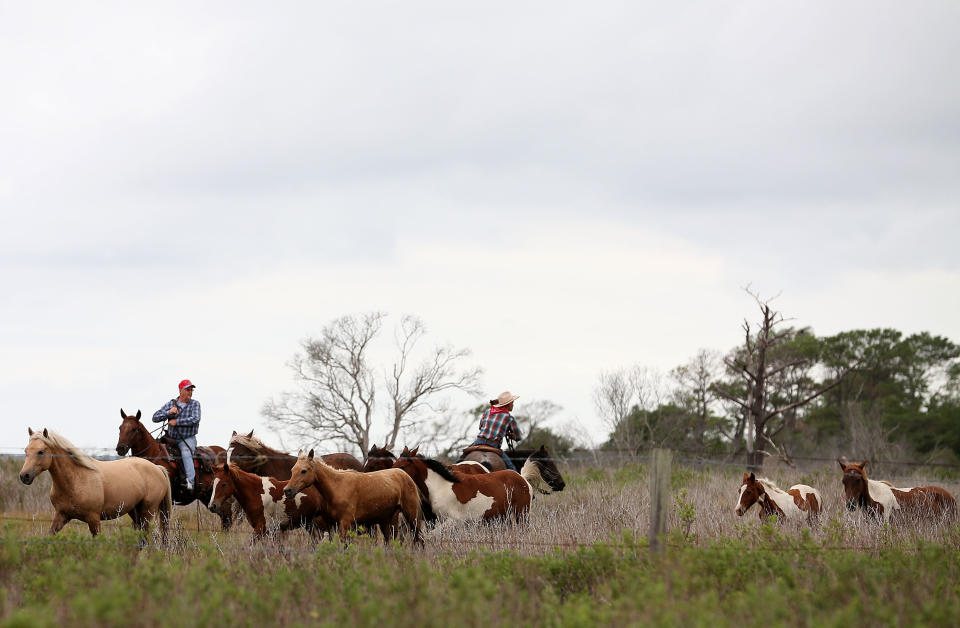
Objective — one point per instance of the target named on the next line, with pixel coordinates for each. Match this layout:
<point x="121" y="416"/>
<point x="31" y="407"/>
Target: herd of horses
<point x="879" y="498"/>
<point x="398" y="495"/>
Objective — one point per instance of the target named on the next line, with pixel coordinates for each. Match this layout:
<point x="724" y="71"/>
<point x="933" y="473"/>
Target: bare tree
<point x="629" y="401"/>
<point x="694" y="380"/>
<point x="338" y="386"/>
<point x="756" y="365"/>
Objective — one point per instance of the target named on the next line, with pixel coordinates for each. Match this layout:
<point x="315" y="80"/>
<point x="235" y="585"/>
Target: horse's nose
<point x="561" y="486"/>
<point x="214" y="508"/>
<point x="26" y="478"/>
<point x="288" y="493"/>
<point x="739" y="511"/>
<point x="121" y="450"/>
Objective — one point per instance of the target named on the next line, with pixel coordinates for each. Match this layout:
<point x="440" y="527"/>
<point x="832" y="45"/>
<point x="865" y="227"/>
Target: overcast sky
<point x="189" y="191"/>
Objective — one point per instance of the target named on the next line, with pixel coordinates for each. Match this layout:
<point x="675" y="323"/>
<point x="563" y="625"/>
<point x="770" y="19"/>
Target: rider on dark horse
<point x="182" y="415"/>
<point x="496" y="423"/>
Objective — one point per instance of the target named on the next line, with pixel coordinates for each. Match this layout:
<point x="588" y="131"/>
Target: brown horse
<point x="252" y="455"/>
<point x="352" y="498"/>
<point x="378" y="459"/>
<point x="790" y="504"/>
<point x="136" y="438"/>
<point x="92" y="490"/>
<point x="262" y="499"/>
<point x="882" y="499"/>
<point x="452" y="495"/>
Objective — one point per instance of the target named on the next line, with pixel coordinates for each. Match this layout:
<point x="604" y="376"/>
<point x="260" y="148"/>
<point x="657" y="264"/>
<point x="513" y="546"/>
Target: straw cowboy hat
<point x="505" y="399"/>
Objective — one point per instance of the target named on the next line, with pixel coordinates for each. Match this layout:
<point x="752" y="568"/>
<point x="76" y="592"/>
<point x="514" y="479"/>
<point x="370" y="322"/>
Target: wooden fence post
<point x="659" y="498"/>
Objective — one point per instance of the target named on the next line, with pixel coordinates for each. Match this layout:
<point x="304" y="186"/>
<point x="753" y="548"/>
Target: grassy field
<point x="581" y="560"/>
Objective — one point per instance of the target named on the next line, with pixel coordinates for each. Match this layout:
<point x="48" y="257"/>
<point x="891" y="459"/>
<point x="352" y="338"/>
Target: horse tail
<point x="166" y="508"/>
<point x="412" y="509"/>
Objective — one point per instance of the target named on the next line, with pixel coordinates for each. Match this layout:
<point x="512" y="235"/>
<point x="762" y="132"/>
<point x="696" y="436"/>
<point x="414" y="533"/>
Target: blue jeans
<point x="187" y="446"/>
<point x="506" y="461"/>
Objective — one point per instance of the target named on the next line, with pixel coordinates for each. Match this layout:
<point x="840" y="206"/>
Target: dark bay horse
<point x="136" y="438"/>
<point x="542" y="463"/>
<point x="378" y="459"/>
<point x="883" y="500"/>
<point x="798" y="501"/>
<point x="351" y="498"/>
<point x="253" y="455"/>
<point x="91" y="490"/>
<point x="264" y="503"/>
<point x="487" y="496"/>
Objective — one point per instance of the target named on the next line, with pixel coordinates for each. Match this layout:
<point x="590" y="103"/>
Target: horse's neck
<point x="65" y="473"/>
<point x="146" y="445"/>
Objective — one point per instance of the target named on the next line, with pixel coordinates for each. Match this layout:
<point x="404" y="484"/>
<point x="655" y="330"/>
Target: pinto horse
<point x="883" y="499"/>
<point x="789" y="504"/>
<point x="351" y="498"/>
<point x="136" y="438"/>
<point x="486" y="496"/>
<point x="263" y="501"/>
<point x="378" y="459"/>
<point x="252" y="455"/>
<point x="92" y="490"/>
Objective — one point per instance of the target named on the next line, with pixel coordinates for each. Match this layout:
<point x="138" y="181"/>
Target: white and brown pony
<point x="794" y="503"/>
<point x="351" y="498"/>
<point x="93" y="490"/>
<point x="263" y="501"/>
<point x="884" y="500"/>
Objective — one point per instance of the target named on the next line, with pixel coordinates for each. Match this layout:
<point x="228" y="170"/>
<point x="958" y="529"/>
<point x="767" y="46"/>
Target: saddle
<point x="203" y="457"/>
<point x="486" y="448"/>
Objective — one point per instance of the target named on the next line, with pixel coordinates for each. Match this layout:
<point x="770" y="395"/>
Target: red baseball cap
<point x="187" y="384"/>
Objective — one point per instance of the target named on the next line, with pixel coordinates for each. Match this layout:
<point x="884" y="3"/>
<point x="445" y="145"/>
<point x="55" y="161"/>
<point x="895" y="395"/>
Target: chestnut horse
<point x="494" y="495"/>
<point x="92" y="490"/>
<point x="378" y="459"/>
<point x="882" y="499"/>
<point x="263" y="501"/>
<point x="136" y="438"/>
<point x="789" y="504"/>
<point x="351" y="498"/>
<point x="251" y="454"/>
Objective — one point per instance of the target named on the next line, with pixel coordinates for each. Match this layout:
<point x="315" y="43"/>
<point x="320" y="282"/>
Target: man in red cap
<point x="183" y="420"/>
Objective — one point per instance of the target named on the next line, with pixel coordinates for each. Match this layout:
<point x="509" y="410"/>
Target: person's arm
<point x="513" y="430"/>
<point x="190" y="415"/>
<point x="161" y="414"/>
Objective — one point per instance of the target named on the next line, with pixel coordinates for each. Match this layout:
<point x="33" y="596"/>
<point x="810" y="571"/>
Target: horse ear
<point x="842" y="461"/>
<point x="234" y="434"/>
<point x="30" y="431"/>
<point x="123" y="414"/>
<point x="753" y="478"/>
<point x="745" y="476"/>
<point x="138" y="414"/>
<point x="310" y="455"/>
<point x="250" y="435"/>
<point x="543" y="448"/>
<point x="45" y="434"/>
<point x="863" y="464"/>
<point x="414" y="451"/>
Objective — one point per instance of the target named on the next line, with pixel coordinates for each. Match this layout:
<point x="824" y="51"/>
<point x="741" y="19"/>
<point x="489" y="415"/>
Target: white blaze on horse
<point x="884" y="500"/>
<point x="93" y="490"/>
<point x="796" y="502"/>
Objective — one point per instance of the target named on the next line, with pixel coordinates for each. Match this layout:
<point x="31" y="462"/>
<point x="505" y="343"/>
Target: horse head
<point x="378" y="458"/>
<point x="39" y="457"/>
<point x="224" y="484"/>
<point x="751" y="492"/>
<point x="129" y="430"/>
<point x="547" y="469"/>
<point x="855" y="486"/>
<point x="246" y="453"/>
<point x="302" y="474"/>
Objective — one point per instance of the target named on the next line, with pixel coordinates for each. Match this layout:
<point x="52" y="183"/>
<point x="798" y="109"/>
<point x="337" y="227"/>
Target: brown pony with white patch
<point x="264" y="503"/>
<point x="452" y="495"/>
<point x="92" y="490"/>
<point x="352" y="498"/>
<point x="882" y="499"/>
<point x="253" y="455"/>
<point x="791" y="504"/>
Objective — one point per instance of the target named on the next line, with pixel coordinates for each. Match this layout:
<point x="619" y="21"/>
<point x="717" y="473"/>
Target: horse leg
<point x="93" y="522"/>
<point x="59" y="520"/>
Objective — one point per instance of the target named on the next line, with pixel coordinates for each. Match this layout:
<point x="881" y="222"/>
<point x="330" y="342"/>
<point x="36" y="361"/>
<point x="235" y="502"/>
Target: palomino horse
<point x="136" y="438"/>
<point x="92" y="490"/>
<point x="378" y="459"/>
<point x="251" y="454"/>
<point x="494" y="495"/>
<point x="883" y="500"/>
<point x="789" y="504"/>
<point x="549" y="479"/>
<point x="263" y="501"/>
<point x="352" y="498"/>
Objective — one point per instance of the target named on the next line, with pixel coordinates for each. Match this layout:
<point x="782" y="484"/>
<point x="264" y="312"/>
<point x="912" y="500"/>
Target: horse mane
<point x="768" y="485"/>
<point x="440" y="469"/>
<point x="255" y="444"/>
<point x="57" y="440"/>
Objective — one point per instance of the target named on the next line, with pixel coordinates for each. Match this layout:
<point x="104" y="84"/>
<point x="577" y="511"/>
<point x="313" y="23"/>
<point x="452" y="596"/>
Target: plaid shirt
<point x="188" y="421"/>
<point x="493" y="427"/>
